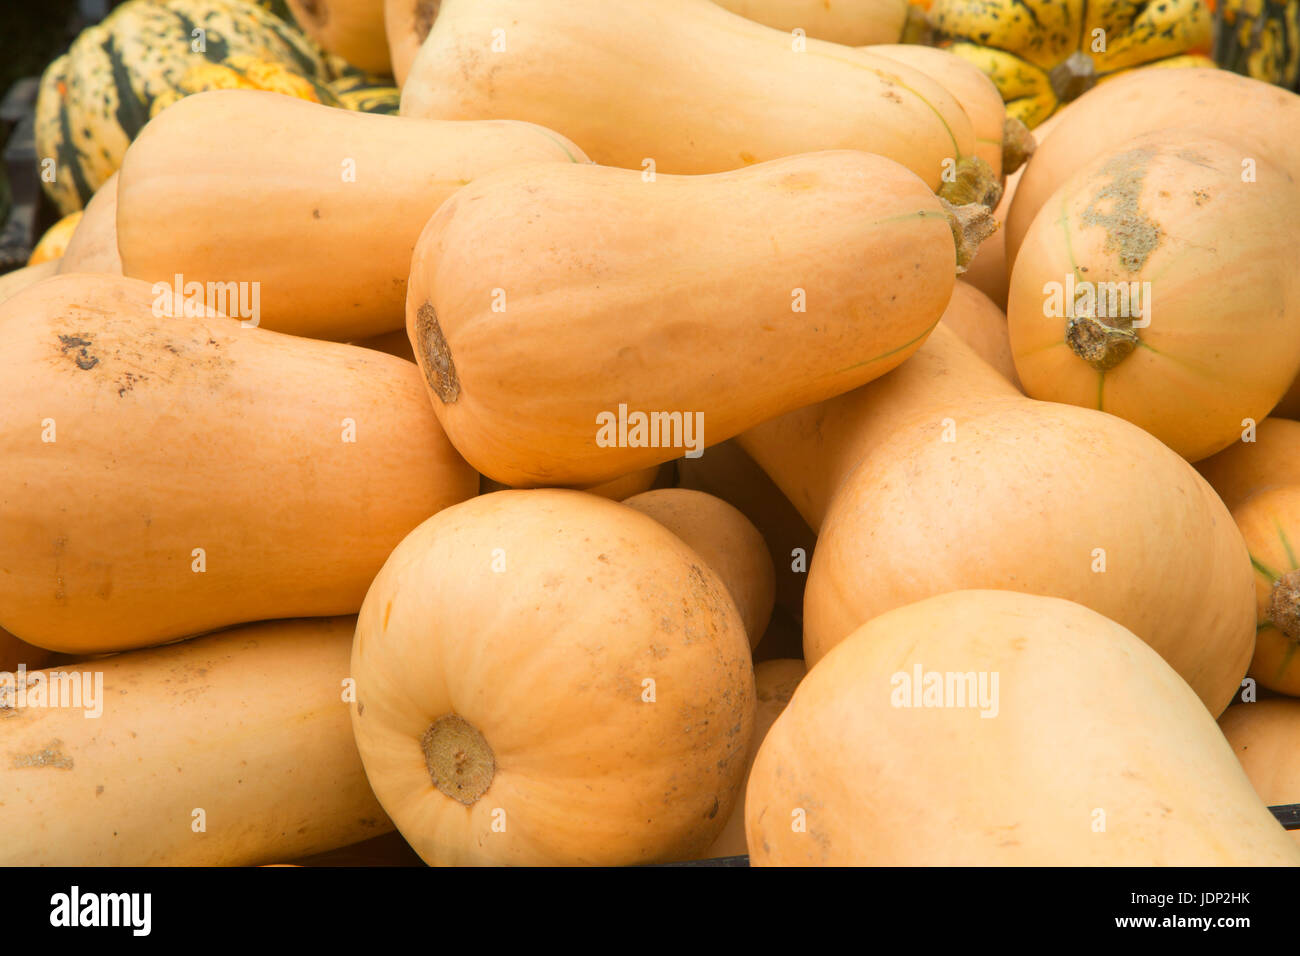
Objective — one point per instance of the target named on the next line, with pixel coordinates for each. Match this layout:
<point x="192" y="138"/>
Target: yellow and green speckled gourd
<point x="144" y="56"/>
<point x="1044" y="53"/>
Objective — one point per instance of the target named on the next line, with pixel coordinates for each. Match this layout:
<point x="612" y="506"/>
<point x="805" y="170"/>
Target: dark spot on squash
<point x="714" y="811"/>
<point x="82" y="357"/>
<point x="315" y="213"/>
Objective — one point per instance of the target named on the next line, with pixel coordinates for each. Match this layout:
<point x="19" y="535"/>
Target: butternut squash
<point x="11" y="283"/>
<point x="730" y="474"/>
<point x="1068" y="688"/>
<point x="93" y="246"/>
<point x="850" y="22"/>
<point x="352" y="29"/>
<point x="167" y="475"/>
<point x="945" y="478"/>
<point x="981" y="325"/>
<point x="1258" y="117"/>
<point x="406" y="24"/>
<point x="1270" y="523"/>
<point x="328" y="240"/>
<point x="1187" y="293"/>
<point x="1267" y="455"/>
<point x="228" y="750"/>
<point x="727" y="542"/>
<point x="969" y="86"/>
<point x="1265" y="736"/>
<point x="546" y="678"/>
<point x="762" y="290"/>
<point x="774" y="684"/>
<point x="497" y="59"/>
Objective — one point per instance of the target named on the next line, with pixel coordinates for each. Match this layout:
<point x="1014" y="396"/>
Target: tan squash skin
<point x="850" y="22"/>
<point x="1027" y="788"/>
<point x="810" y="452"/>
<point x="543" y="666"/>
<point x="1258" y="117"/>
<point x="976" y="93"/>
<point x="406" y="24"/>
<point x="979" y="323"/>
<point x="726" y="471"/>
<point x="1265" y="736"/>
<point x="1169" y="210"/>
<point x="1245" y="467"/>
<point x="352" y="29"/>
<point x="174" y="434"/>
<point x="14" y="652"/>
<point x="93" y="246"/>
<point x="332" y="256"/>
<point x="728" y="543"/>
<point x="1270" y="523"/>
<point x="248" y="725"/>
<point x="700" y="321"/>
<point x="11" y="283"/>
<point x="702" y="62"/>
<point x="1009" y="504"/>
<point x="774" y="685"/>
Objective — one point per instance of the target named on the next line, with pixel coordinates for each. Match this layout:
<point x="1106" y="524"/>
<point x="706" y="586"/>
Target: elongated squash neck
<point x="808" y="453"/>
<point x="1284" y="605"/>
<point x="461" y="764"/>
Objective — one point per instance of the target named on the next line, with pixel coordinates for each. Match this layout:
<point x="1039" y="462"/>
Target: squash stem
<point x="1284" y="605"/>
<point x="973" y="182"/>
<point x="1018" y="144"/>
<point x="971" y="224"/>
<point x="1100" y="345"/>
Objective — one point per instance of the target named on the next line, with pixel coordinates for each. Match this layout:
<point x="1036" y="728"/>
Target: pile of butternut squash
<point x="675" y="435"/>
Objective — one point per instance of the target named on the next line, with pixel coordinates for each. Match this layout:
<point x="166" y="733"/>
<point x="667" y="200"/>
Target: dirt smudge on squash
<point x="51" y="755"/>
<point x="81" y="356"/>
<point x="1130" y="234"/>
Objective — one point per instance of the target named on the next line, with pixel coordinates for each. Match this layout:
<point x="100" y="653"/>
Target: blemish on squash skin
<point x="439" y="367"/>
<point x="51" y="755"/>
<point x="1114" y="207"/>
<point x="82" y="357"/>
